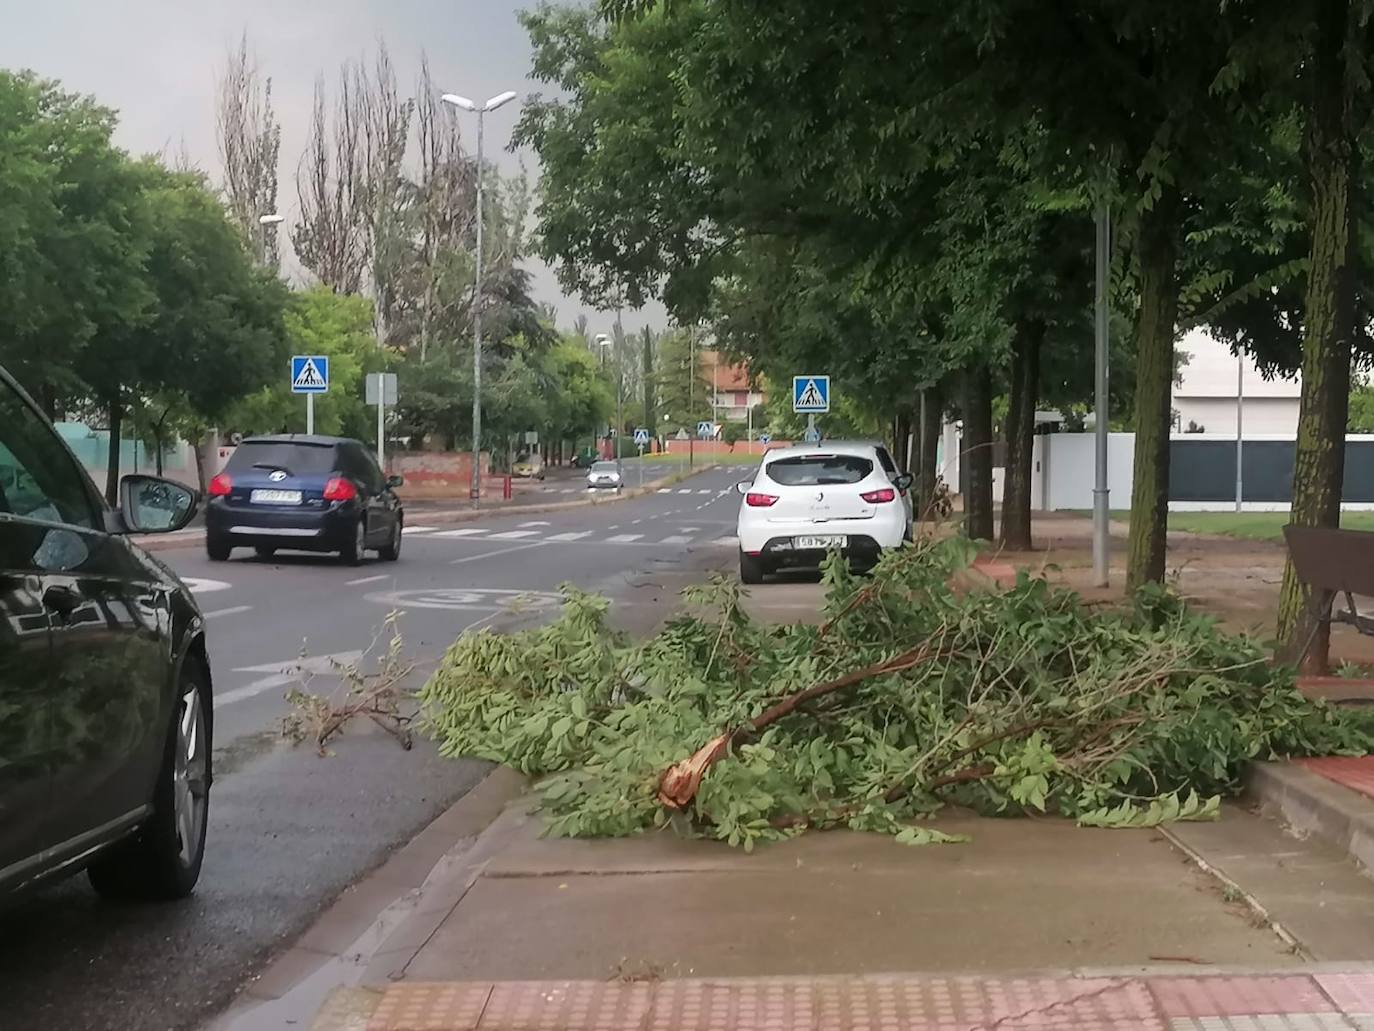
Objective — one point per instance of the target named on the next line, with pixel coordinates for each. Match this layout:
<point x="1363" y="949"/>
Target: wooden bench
<point x="1331" y="562"/>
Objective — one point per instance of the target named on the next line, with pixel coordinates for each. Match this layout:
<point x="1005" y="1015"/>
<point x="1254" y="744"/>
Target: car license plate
<point x="275" y="497"/>
<point x="833" y="541"/>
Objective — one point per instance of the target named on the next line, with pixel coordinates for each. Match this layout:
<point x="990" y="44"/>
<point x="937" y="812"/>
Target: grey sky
<point x="156" y="62"/>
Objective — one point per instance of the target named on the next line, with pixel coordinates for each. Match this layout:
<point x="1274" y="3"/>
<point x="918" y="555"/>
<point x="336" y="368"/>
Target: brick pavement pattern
<point x="1287" y="1002"/>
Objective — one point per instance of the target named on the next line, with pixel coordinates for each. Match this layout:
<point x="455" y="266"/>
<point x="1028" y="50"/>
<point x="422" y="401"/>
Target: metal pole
<point x="1100" y="491"/>
<point x="381" y="430"/>
<point x="1240" y="418"/>
<point x="619" y="414"/>
<point x="691" y="393"/>
<point x="475" y="492"/>
<point x="310" y="413"/>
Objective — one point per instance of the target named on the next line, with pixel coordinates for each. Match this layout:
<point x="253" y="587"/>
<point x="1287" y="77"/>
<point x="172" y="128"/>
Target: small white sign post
<point x="381" y="391"/>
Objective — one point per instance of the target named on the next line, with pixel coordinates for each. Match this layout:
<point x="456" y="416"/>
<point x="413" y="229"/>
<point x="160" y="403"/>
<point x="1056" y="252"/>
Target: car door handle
<point x="61" y="599"/>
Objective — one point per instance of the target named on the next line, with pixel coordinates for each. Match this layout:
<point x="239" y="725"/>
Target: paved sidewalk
<point x="1315" y="1002"/>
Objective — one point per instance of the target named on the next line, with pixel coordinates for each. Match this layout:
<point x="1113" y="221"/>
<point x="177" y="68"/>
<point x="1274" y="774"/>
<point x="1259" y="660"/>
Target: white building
<point x="1205" y="397"/>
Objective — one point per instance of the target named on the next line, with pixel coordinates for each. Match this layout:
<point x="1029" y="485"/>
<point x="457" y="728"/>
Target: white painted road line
<point x="367" y="579"/>
<point x="512" y="535"/>
<point x="470" y="531"/>
<point x="726" y="540"/>
<point x="665" y="490"/>
<point x="676" y="539"/>
<point x="623" y="538"/>
<point x="685" y="490"/>
<point x="569" y="536"/>
<point x="282" y="673"/>
<point x="500" y="551"/>
<point x="536" y="523"/>
<point x="198" y="585"/>
<point x="227" y="612"/>
<point x="703" y="492"/>
<point x="688" y="529"/>
<point x="418" y="529"/>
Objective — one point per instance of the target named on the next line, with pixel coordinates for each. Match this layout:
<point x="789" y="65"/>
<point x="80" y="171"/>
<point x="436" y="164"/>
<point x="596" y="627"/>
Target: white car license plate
<point x="829" y="541"/>
<point x="275" y="497"/>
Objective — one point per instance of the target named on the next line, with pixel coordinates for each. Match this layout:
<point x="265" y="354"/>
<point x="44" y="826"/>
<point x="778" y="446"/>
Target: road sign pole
<point x="811" y="426"/>
<point x="309" y="413"/>
<point x="381" y="432"/>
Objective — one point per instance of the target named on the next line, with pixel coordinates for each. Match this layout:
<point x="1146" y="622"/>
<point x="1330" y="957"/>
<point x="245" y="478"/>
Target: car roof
<point x="315" y="440"/>
<point x="825" y="447"/>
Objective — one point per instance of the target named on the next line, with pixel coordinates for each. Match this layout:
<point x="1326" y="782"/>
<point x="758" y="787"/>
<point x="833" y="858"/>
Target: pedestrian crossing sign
<point x="811" y="394"/>
<point x="309" y="373"/>
<point x="641" y="436"/>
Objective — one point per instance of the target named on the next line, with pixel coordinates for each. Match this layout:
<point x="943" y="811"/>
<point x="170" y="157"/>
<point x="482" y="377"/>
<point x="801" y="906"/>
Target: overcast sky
<point x="156" y="61"/>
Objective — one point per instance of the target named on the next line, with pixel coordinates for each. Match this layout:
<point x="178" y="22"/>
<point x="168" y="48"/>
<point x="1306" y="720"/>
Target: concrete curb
<point x="363" y="922"/>
<point x="1312" y="805"/>
<point x="194" y="538"/>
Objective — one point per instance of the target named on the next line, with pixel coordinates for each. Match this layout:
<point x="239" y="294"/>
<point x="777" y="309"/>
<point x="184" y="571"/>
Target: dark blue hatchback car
<point x="304" y="493"/>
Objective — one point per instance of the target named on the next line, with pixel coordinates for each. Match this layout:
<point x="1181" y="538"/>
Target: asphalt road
<point x="289" y="830"/>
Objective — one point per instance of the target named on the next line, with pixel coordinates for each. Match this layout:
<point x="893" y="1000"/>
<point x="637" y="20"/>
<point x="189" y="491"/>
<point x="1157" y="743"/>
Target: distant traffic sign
<point x="706" y="430"/>
<point x="378" y="388"/>
<point x="811" y="394"/>
<point x="309" y="373"/>
<point x="812" y="435"/>
<point x="764" y="438"/>
<point x="641" y="436"/>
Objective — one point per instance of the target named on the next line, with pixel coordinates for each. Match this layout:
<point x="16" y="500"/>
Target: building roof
<point x="724" y="375"/>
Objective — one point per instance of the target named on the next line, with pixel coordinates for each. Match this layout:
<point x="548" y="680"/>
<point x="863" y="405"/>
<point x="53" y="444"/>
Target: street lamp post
<point x="268" y="223"/>
<point x="475" y="491"/>
<point x="604" y="342"/>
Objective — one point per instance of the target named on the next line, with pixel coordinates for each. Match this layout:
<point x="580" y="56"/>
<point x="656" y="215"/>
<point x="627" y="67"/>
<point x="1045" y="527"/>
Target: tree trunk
<point x="1025" y="391"/>
<point x="1319" y="461"/>
<point x="932" y="419"/>
<point x="116" y="411"/>
<point x="977" y="455"/>
<point x="650" y="402"/>
<point x="1154" y="377"/>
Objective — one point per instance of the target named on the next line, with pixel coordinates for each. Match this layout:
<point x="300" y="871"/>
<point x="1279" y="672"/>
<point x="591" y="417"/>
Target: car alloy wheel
<point x="190" y="781"/>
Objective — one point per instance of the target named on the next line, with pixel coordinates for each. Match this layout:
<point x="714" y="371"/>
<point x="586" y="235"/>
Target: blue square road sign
<point x="811" y="394"/>
<point x="309" y="373"/>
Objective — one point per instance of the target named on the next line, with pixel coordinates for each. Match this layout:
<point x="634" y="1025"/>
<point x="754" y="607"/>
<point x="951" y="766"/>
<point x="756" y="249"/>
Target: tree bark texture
<point x="116" y="411"/>
<point x="1154" y="370"/>
<point x="977" y="454"/>
<point x="1025" y="391"/>
<point x="928" y="447"/>
<point x="1319" y="462"/>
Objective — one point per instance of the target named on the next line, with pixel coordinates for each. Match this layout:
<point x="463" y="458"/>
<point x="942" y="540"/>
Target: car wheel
<point x="162" y="860"/>
<point x="391" y="551"/>
<point x="750" y="569"/>
<point x="265" y="550"/>
<point x="356" y="550"/>
<point x="217" y="550"/>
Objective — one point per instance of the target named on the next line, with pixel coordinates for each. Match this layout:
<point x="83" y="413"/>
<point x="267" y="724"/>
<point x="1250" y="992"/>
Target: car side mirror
<point x="150" y="504"/>
<point x="743" y="486"/>
<point x="903" y="481"/>
<point x="395" y="480"/>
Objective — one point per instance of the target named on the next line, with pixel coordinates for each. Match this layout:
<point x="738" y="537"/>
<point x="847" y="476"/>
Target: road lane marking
<point x="704" y="491"/>
<point x="502" y="551"/>
<point x="418" y="529"/>
<point x="623" y="538"/>
<point x="676" y="539"/>
<point x="512" y="535"/>
<point x="726" y="540"/>
<point x="467" y="532"/>
<point x="688" y="529"/>
<point x="199" y="585"/>
<point x="569" y="536"/>
<point x="665" y="490"/>
<point x="685" y="490"/>
<point x="536" y="523"/>
<point x="234" y="610"/>
<point x="367" y="579"/>
<point x="282" y="673"/>
<point x="469" y="598"/>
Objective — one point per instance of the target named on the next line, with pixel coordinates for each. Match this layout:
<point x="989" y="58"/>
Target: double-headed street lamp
<point x="467" y="105"/>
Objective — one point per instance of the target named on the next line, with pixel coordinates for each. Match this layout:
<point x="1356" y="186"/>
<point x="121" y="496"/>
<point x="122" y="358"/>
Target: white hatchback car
<point x="805" y="501"/>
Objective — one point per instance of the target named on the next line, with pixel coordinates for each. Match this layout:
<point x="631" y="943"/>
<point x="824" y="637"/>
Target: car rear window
<point x="603" y="467"/>
<point x="296" y="458"/>
<point x="814" y="470"/>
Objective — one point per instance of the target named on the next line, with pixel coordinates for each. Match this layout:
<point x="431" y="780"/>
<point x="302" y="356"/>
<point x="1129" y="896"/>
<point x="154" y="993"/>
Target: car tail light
<point x="340" y="489"/>
<point x="760" y="500"/>
<point x="220" y="485"/>
<point x="877" y="497"/>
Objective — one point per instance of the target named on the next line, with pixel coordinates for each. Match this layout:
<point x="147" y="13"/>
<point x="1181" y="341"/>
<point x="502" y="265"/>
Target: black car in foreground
<point x="305" y="493"/>
<point x="105" y="699"/>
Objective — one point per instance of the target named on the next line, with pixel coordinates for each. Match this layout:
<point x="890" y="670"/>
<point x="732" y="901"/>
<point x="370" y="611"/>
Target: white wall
<point x="1277" y="415"/>
<point x="1066" y="464"/>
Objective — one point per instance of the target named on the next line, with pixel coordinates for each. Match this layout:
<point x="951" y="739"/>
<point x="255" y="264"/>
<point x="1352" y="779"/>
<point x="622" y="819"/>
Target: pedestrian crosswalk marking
<point x="465" y="532"/>
<point x="665" y="490"/>
<point x="570" y="536"/>
<point x="685" y="490"/>
<point x="418" y="529"/>
<point x="676" y="539"/>
<point x="624" y="538"/>
<point x="513" y="535"/>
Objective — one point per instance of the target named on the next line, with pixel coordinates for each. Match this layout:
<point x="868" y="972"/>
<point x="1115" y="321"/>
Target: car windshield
<point x="813" y="470"/>
<point x="603" y="467"/>
<point x="295" y="457"/>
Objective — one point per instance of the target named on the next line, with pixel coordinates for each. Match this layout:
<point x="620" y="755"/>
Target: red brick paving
<point x="1354" y="772"/>
<point x="886" y="1003"/>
